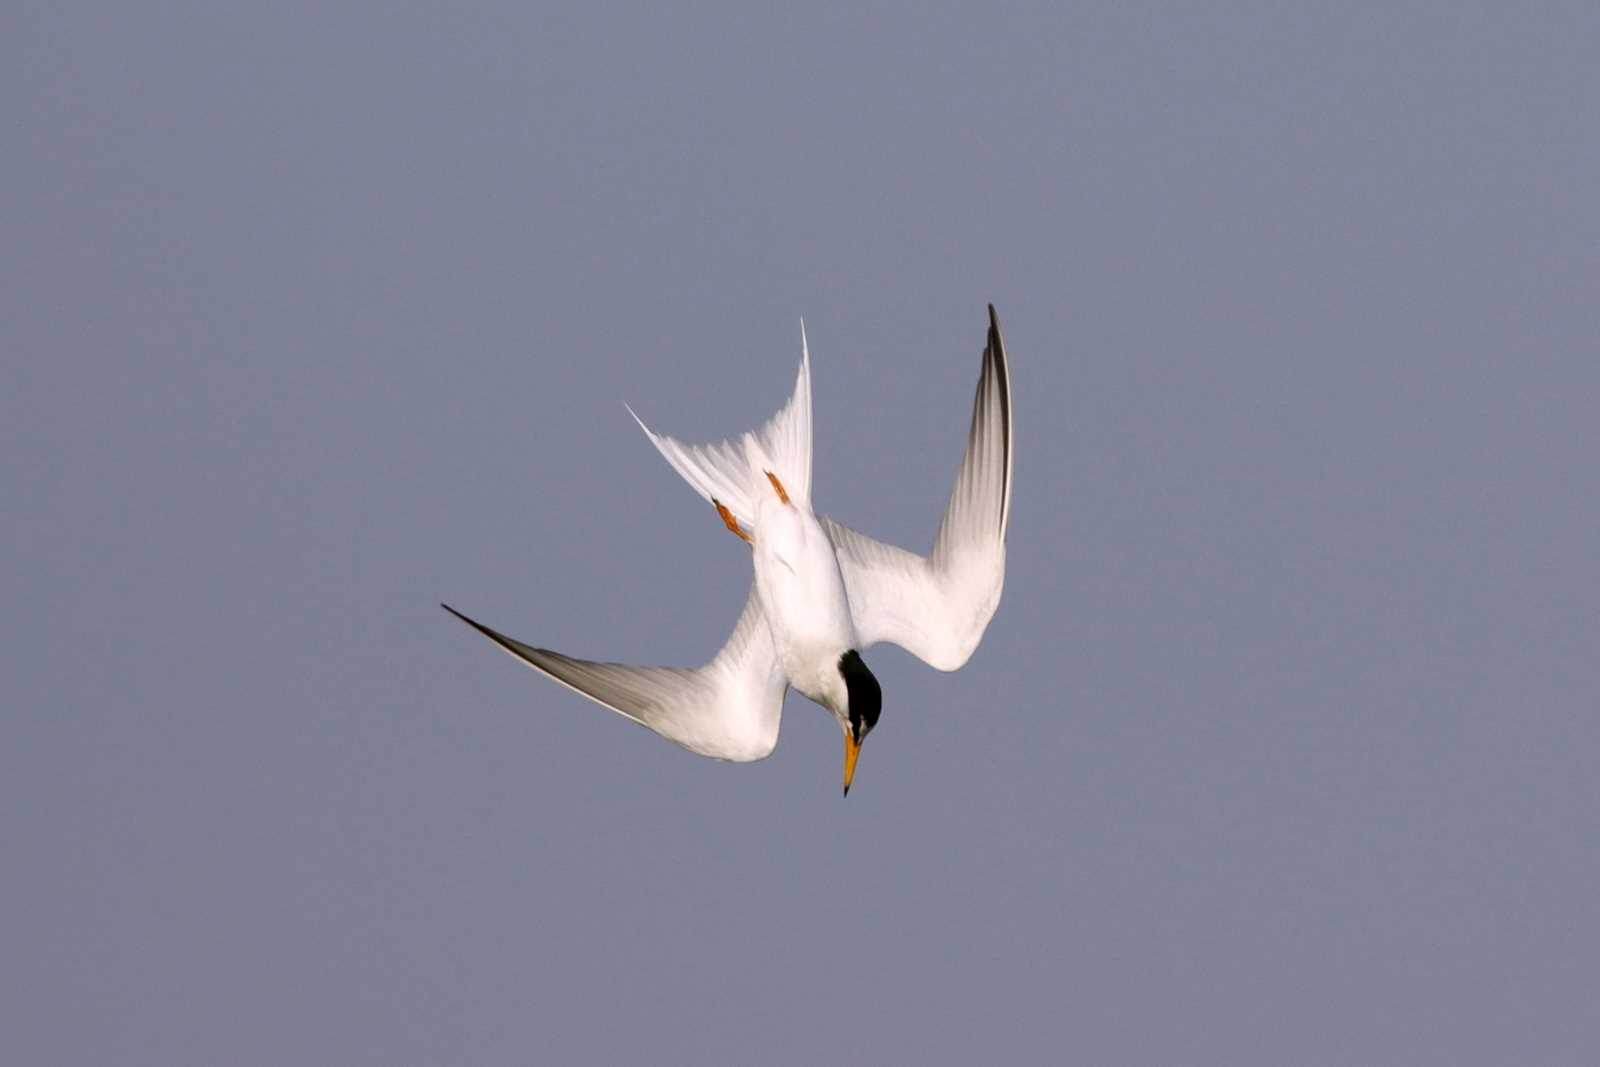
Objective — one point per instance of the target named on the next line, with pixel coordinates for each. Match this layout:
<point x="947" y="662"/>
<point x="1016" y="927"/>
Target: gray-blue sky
<point x="1280" y="749"/>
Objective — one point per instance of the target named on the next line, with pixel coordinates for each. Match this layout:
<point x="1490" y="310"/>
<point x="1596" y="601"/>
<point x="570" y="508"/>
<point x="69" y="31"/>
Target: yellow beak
<point x="852" y="751"/>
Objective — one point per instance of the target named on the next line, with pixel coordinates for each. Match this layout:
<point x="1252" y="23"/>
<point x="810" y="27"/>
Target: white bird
<point x="822" y="592"/>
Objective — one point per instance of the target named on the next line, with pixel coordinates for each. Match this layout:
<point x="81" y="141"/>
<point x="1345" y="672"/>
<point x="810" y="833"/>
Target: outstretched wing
<point x="729" y="709"/>
<point x="937" y="606"/>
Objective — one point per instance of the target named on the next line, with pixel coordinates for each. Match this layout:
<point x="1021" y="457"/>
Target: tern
<point x="821" y="593"/>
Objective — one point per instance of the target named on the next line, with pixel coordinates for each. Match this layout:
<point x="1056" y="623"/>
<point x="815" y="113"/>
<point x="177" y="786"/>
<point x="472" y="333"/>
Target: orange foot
<point x="773" y="478"/>
<point x="730" y="522"/>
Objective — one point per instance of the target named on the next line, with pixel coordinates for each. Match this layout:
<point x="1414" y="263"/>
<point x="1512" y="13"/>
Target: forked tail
<point x="733" y="472"/>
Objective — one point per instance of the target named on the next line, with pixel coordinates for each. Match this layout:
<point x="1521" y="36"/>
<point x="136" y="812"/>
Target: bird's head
<point x="862" y="704"/>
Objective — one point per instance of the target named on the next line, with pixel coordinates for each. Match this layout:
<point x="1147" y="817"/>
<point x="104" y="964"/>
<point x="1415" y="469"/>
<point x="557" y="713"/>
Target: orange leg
<point x="782" y="495"/>
<point x="730" y="522"/>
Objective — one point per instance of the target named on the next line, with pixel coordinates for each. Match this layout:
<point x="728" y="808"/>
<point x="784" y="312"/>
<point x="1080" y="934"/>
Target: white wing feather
<point x="729" y="709"/>
<point x="937" y="606"/>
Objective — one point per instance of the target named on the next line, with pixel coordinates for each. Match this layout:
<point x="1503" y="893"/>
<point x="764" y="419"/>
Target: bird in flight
<point x="822" y="593"/>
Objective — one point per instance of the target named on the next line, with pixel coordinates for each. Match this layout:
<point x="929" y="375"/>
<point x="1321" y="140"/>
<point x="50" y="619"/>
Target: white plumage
<point x="821" y="591"/>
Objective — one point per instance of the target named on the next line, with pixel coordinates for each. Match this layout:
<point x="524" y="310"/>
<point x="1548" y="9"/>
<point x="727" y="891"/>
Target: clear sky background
<point x="1282" y="747"/>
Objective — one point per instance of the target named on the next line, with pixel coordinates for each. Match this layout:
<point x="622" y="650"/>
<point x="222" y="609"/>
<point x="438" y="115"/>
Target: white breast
<point x="803" y="594"/>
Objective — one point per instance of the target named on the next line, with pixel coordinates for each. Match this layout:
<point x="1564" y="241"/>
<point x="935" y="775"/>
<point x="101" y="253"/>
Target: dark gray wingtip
<point x="995" y="361"/>
<point x="499" y="639"/>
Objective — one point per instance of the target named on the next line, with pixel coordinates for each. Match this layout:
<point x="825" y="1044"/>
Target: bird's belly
<point x="803" y="595"/>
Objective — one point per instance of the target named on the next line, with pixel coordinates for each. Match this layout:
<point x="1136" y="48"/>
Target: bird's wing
<point x="729" y="709"/>
<point x="937" y="606"/>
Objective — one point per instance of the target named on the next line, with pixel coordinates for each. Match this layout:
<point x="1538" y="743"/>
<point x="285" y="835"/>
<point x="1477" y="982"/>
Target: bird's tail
<point x="734" y="471"/>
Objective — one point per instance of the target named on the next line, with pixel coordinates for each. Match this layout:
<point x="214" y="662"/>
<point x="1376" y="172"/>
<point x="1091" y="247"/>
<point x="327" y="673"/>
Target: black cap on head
<point x="866" y="699"/>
